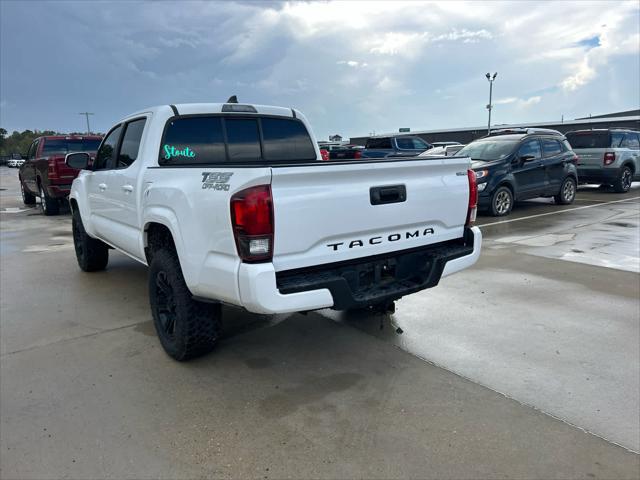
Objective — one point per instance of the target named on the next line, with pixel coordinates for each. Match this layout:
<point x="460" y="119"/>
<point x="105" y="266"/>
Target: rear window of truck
<point x="219" y="139"/>
<point x="64" y="146"/>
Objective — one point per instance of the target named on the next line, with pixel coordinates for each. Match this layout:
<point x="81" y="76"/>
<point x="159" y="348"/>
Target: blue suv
<point x="518" y="164"/>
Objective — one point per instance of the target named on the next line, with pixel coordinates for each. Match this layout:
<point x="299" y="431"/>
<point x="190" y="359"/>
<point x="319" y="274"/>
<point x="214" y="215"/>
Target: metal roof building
<point x="626" y="119"/>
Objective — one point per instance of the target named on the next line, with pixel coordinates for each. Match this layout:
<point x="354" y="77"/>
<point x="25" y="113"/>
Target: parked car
<point x="231" y="203"/>
<point x="397" y="145"/>
<point x="44" y="174"/>
<point x="607" y="156"/>
<point x="518" y="164"/>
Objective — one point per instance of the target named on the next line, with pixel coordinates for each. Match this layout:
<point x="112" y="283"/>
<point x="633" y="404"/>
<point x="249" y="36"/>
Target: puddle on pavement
<point x="547" y="240"/>
<point x="146" y="328"/>
<point x="312" y="390"/>
<point x="622" y="224"/>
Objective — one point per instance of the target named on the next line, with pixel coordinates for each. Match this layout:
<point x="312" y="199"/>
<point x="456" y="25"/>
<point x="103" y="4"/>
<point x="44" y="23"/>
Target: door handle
<point x="127" y="188"/>
<point x="102" y="187"/>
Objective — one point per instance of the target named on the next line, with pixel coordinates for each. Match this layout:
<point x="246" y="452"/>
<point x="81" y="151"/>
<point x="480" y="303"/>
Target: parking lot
<point x="525" y="366"/>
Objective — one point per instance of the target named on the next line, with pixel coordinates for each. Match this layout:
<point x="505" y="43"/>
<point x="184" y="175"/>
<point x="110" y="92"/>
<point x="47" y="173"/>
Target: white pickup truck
<point x="231" y="203"/>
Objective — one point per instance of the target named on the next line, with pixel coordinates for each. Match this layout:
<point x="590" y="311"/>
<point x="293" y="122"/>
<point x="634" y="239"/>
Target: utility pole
<point x="86" y="114"/>
<point x="490" y="106"/>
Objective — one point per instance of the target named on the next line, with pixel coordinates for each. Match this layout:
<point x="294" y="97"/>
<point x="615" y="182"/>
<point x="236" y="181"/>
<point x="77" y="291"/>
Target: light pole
<point x="86" y="114"/>
<point x="489" y="107"/>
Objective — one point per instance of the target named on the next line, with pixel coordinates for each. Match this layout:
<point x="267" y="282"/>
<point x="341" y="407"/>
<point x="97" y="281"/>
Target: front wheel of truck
<point x="186" y="327"/>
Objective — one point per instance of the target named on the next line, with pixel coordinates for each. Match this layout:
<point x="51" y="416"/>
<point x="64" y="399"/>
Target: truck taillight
<point x="53" y="167"/>
<point x="473" y="198"/>
<point x="357" y="154"/>
<point x="609" y="158"/>
<point x="324" y="154"/>
<point x="252" y="222"/>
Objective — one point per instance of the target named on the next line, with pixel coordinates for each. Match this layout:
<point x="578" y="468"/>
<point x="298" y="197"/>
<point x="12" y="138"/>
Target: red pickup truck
<point x="44" y="173"/>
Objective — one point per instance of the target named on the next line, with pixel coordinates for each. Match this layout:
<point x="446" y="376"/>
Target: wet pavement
<point x="500" y="370"/>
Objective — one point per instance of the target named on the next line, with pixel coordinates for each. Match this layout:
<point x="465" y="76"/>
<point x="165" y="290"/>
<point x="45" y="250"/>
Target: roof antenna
<point x="232" y="99"/>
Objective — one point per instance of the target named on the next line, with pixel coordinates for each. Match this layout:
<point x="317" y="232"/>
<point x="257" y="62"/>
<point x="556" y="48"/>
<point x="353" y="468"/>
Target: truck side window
<point x="405" y="143"/>
<point x="285" y="139"/>
<point x="105" y="157"/>
<point x="192" y="140"/>
<point x="243" y="139"/>
<point x="32" y="150"/>
<point x="130" y="143"/>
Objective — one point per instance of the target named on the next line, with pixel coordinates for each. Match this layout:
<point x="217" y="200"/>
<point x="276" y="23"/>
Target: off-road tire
<point x="501" y="202"/>
<point x="28" y="199"/>
<point x="92" y="254"/>
<point x="567" y="193"/>
<point x="186" y="327"/>
<point x="623" y="182"/>
<point x="49" y="206"/>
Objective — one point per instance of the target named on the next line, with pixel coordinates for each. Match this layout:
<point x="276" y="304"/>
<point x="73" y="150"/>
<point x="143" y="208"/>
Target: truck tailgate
<point x="336" y="212"/>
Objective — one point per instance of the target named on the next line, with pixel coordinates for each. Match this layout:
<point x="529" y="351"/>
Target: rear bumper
<point x="598" y="175"/>
<point x="358" y="283"/>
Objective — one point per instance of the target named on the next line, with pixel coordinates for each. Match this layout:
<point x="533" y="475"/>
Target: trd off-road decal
<point x="216" y="180"/>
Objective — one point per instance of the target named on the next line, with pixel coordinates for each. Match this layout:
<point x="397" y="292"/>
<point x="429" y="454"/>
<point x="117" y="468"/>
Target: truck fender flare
<point x="82" y="210"/>
<point x="166" y="217"/>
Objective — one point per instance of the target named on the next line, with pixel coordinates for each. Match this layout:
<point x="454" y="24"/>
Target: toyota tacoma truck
<point x="231" y="203"/>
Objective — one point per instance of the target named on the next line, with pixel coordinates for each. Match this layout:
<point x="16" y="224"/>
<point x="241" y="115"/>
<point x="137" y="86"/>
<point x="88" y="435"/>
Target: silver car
<point x="607" y="156"/>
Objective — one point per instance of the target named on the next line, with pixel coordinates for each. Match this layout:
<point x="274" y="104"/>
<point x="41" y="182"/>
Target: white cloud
<point x="388" y="84"/>
<point x="583" y="75"/>
<point x="411" y="44"/>
<point x="352" y="63"/>
<point x="519" y="102"/>
<point x="393" y="43"/>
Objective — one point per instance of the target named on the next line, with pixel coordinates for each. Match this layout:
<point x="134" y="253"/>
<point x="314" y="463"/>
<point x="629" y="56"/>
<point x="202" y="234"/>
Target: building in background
<point x="627" y="119"/>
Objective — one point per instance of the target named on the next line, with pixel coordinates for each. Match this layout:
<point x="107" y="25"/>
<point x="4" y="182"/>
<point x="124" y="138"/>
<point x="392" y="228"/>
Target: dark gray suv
<point x="522" y="163"/>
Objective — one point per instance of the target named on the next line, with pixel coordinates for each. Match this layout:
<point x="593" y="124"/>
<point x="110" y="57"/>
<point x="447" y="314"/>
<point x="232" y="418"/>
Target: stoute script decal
<point x="172" y="152"/>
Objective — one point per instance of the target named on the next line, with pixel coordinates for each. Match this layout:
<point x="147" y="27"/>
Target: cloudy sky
<point x="351" y="67"/>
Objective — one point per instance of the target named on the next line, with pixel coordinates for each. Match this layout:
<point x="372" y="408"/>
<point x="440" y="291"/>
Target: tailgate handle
<point x="388" y="194"/>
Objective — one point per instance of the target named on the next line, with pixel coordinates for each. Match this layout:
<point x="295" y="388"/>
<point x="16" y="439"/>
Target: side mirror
<point x="78" y="160"/>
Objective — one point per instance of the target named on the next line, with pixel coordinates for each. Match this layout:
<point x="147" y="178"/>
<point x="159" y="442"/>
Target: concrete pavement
<point x="87" y="392"/>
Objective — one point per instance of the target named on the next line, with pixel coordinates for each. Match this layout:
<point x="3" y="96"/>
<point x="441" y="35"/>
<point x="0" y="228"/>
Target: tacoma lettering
<point x="392" y="237"/>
